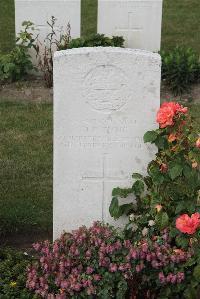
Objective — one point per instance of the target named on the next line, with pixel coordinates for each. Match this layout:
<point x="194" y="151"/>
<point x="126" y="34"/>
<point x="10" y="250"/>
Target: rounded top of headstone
<point x="98" y="50"/>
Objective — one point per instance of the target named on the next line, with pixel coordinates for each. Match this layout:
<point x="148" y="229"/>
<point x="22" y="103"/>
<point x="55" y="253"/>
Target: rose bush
<point x="167" y="202"/>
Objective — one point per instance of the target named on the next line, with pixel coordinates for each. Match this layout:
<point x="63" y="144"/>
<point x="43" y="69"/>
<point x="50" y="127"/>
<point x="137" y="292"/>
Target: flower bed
<point x="157" y="254"/>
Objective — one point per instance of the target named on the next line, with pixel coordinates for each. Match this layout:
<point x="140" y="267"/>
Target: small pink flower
<point x="198" y="143"/>
<point x="89" y="270"/>
<point x="113" y="268"/>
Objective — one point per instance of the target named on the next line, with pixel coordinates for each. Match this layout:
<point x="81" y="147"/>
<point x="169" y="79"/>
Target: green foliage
<point x="17" y="64"/>
<point x="180" y="69"/>
<point x="95" y="40"/>
<point x="13" y="266"/>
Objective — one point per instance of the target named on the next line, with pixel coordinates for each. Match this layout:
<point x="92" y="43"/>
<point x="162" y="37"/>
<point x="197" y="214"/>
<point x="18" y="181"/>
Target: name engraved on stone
<point x="106" y="142"/>
<point x="105" y="88"/>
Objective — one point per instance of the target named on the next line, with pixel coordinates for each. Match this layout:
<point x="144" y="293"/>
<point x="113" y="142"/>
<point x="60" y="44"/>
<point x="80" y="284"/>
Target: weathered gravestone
<point x="138" y="21"/>
<point x="104" y="101"/>
<point x="41" y="11"/>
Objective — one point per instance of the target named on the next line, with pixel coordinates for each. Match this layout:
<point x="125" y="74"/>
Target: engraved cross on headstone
<point x="132" y="32"/>
<point x="104" y="179"/>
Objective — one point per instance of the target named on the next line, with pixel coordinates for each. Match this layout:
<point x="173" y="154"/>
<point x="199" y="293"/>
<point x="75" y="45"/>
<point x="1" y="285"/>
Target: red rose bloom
<point x="187" y="224"/>
<point x="165" y="117"/>
<point x="166" y="113"/>
<point x="176" y="107"/>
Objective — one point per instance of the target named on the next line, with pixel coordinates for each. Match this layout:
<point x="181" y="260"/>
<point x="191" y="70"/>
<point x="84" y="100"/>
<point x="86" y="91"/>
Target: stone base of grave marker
<point x="138" y="21"/>
<point x="104" y="101"/>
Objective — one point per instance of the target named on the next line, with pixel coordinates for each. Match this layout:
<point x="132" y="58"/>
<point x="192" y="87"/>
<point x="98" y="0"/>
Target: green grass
<point x="181" y="22"/>
<point x="88" y="17"/>
<point x="25" y="167"/>
<point x="195" y="111"/>
<point x="7" y="25"/>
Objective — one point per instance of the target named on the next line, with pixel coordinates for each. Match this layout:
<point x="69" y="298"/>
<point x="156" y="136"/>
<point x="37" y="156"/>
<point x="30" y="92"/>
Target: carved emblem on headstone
<point x="105" y="88"/>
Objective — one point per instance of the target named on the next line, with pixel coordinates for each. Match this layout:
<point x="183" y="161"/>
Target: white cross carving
<point x="129" y="31"/>
<point x="103" y="179"/>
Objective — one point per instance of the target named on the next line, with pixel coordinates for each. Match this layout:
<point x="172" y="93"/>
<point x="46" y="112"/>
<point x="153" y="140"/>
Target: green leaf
<point x="114" y="208"/>
<point x="137" y="176"/>
<point x="196" y="273"/>
<point x="125" y="209"/>
<point x="150" y="136"/>
<point x="185" y="206"/>
<point x="138" y="188"/>
<point x="190" y="293"/>
<point x="156" y="175"/>
<point x="174" y="232"/>
<point x="175" y="171"/>
<point x="161" y="142"/>
<point x="162" y="220"/>
<point x="119" y="192"/>
<point x="182" y="241"/>
<point x="187" y="171"/>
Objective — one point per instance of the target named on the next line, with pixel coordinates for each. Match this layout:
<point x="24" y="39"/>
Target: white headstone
<point x="104" y="101"/>
<point x="41" y="11"/>
<point x="138" y="21"/>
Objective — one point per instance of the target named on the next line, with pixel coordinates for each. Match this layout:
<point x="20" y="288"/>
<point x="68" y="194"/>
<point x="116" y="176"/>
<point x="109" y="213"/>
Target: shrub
<point x="13" y="266"/>
<point x="96" y="40"/>
<point x="167" y="209"/>
<point x="17" y="64"/>
<point x="89" y="263"/>
<point x="99" y="263"/>
<point x="53" y="43"/>
<point x="180" y="69"/>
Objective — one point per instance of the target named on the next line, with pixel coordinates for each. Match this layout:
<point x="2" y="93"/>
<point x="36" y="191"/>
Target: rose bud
<point x="163" y="168"/>
<point x="198" y="143"/>
<point x="158" y="208"/>
<point x="171" y="137"/>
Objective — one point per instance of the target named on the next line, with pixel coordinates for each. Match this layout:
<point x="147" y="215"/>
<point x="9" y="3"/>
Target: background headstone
<point x="104" y="101"/>
<point x="41" y="11"/>
<point x="138" y="21"/>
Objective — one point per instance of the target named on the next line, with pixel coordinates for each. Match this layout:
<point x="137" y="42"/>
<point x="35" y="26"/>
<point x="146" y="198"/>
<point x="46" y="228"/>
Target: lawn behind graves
<point x="181" y="24"/>
<point x="7" y="25"/>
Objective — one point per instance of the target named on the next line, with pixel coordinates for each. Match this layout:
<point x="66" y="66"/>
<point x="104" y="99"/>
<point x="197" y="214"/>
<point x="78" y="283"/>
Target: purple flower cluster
<point x="80" y="263"/>
<point x="171" y="278"/>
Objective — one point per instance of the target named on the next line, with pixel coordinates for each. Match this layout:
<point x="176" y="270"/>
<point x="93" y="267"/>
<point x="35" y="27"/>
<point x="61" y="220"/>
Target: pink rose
<point x="165" y="117"/>
<point x="187" y="224"/>
<point x="166" y="113"/>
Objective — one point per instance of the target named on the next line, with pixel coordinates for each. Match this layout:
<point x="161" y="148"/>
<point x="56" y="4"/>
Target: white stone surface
<point x="41" y="11"/>
<point x="104" y="101"/>
<point x="139" y="21"/>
